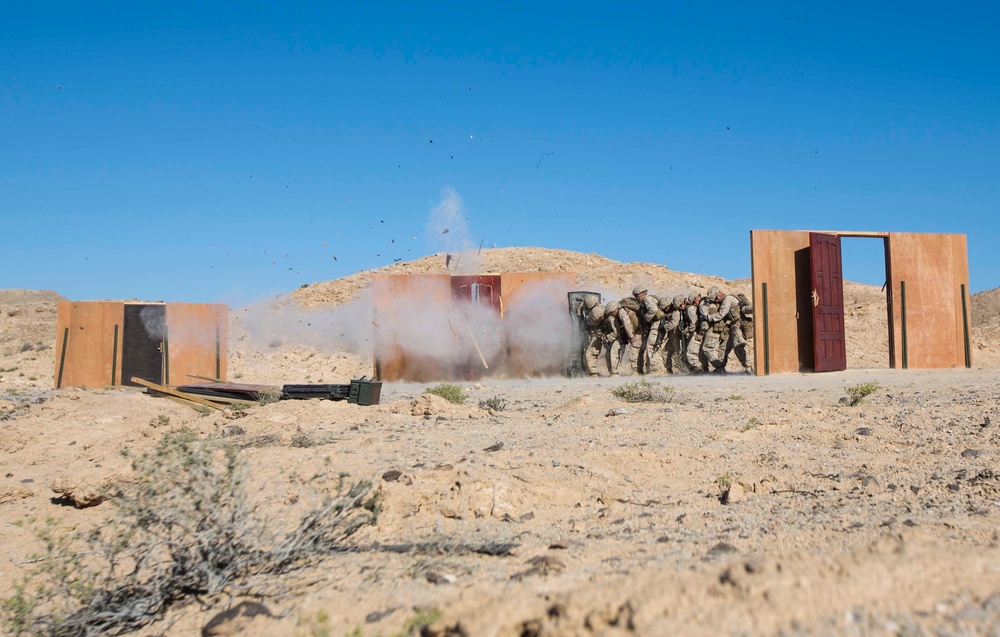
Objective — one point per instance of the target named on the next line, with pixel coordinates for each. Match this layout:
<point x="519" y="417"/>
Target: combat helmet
<point x="679" y="300"/>
<point x="713" y="292"/>
<point x="639" y="289"/>
<point x="693" y="296"/>
<point x="611" y="307"/>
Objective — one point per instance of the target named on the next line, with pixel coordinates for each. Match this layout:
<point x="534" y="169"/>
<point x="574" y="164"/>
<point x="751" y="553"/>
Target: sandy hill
<point x="986" y="308"/>
<point x="613" y="277"/>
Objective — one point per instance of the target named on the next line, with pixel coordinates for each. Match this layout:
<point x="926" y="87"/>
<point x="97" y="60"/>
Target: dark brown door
<point x="142" y="343"/>
<point x="829" y="342"/>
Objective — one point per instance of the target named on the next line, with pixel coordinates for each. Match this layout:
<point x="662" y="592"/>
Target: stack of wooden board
<point x="214" y="395"/>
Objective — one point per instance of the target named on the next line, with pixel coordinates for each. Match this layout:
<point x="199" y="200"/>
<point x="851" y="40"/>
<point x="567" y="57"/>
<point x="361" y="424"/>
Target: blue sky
<point x="224" y="152"/>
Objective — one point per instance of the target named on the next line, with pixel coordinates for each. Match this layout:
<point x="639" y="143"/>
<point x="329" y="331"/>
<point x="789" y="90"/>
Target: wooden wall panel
<point x="930" y="269"/>
<point x="197" y="341"/>
<point x="537" y="301"/>
<point x="780" y="259"/>
<point x="412" y="311"/>
<point x="399" y="315"/>
<point x="90" y="355"/>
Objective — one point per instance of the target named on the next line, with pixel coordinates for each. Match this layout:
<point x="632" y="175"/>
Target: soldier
<point x="618" y="333"/>
<point x="628" y="311"/>
<point x="670" y="338"/>
<point x="715" y="329"/>
<point x="649" y="315"/>
<point x="731" y="313"/>
<point x="593" y="320"/>
<point x="693" y="334"/>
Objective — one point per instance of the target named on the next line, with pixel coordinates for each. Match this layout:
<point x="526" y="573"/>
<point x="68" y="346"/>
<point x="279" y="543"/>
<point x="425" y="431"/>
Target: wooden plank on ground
<point x="170" y="391"/>
<point x="177" y="399"/>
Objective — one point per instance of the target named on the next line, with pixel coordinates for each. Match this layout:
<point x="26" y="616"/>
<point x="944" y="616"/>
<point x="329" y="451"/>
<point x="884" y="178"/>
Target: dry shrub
<point x="495" y="404"/>
<point x="186" y="529"/>
<point x="449" y="391"/>
<point x="644" y="391"/>
<point x="857" y="393"/>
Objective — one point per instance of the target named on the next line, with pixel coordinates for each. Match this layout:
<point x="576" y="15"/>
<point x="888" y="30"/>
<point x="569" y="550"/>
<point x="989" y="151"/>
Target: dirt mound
<point x="27" y="336"/>
<point x="985" y="307"/>
<point x="612" y="278"/>
<point x="9" y="297"/>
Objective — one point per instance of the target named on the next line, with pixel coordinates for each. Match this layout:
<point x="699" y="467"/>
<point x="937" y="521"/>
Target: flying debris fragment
<point x="445" y="231"/>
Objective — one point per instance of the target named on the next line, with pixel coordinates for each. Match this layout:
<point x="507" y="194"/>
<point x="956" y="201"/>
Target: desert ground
<point x="735" y="505"/>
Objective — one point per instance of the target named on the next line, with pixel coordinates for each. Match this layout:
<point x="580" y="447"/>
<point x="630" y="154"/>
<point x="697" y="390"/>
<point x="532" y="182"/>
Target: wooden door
<point x="143" y="329"/>
<point x="482" y="290"/>
<point x="829" y="340"/>
<point x="471" y="295"/>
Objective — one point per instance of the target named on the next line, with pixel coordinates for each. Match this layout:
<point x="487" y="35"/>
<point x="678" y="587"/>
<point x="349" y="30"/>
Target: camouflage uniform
<point x="618" y="333"/>
<point x="692" y="332"/>
<point x="715" y="329"/>
<point x="730" y="313"/>
<point x="669" y="339"/>
<point x="633" y="347"/>
<point x="650" y="316"/>
<point x="593" y="319"/>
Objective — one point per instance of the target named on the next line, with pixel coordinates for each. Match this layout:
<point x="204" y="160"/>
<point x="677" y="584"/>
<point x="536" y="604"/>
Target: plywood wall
<point x="780" y="259"/>
<point x="536" y="313"/>
<point x="412" y="311"/>
<point x="928" y="272"/>
<point x="197" y="342"/>
<point x="930" y="268"/>
<point x="87" y="352"/>
<point x="401" y="315"/>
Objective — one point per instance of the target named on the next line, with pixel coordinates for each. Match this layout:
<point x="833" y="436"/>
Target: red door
<point x="829" y="342"/>
<point x="476" y="299"/>
<point x="480" y="290"/>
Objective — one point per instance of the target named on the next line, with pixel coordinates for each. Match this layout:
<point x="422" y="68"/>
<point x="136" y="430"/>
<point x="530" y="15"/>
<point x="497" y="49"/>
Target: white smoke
<point x="449" y="231"/>
<point x="153" y="320"/>
<point x="326" y="329"/>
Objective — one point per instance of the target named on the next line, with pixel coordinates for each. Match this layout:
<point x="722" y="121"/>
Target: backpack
<point x="746" y="308"/>
<point x="629" y="303"/>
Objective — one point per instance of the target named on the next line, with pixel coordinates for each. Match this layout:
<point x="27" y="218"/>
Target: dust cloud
<point x="428" y="334"/>
<point x="449" y="231"/>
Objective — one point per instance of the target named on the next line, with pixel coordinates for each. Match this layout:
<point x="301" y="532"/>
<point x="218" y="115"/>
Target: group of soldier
<point x="680" y="335"/>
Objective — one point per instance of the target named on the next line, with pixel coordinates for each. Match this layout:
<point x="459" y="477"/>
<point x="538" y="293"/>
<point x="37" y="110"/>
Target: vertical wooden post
<point x="218" y="355"/>
<point x="62" y="358"/>
<point x="902" y="308"/>
<point x="767" y="338"/>
<point x="114" y="357"/>
<point x="965" y="329"/>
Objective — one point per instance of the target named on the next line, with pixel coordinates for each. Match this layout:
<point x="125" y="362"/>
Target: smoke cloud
<point x="420" y="332"/>
<point x="449" y="231"/>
